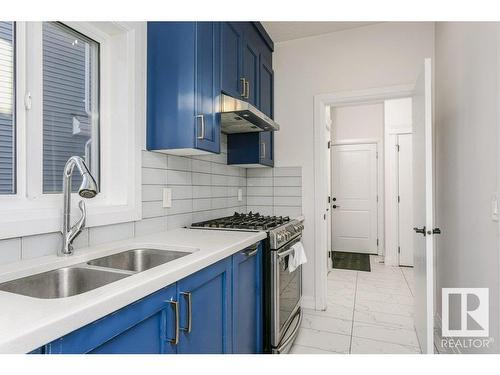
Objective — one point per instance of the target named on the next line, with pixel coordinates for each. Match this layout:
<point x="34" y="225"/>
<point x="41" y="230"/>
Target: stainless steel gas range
<point x="282" y="288"/>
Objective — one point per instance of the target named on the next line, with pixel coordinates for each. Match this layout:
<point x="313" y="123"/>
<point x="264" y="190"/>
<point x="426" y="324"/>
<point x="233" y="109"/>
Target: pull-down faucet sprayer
<point x="88" y="189"/>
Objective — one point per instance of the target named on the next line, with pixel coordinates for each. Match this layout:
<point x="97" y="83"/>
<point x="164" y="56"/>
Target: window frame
<point x="122" y="102"/>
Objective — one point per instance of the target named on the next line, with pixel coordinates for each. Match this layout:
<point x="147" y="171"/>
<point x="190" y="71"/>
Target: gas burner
<point x="250" y="221"/>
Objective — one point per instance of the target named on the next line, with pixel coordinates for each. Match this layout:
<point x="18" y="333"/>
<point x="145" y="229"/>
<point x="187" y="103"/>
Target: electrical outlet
<point x="494" y="208"/>
<point x="167" y="197"/>
<point x="240" y="194"/>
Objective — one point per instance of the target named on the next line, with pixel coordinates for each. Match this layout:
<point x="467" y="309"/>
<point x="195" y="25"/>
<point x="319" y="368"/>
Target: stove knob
<point x="279" y="237"/>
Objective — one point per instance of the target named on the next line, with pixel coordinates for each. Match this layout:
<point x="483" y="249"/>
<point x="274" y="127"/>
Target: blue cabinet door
<point x="266" y="87"/>
<point x="207" y="119"/>
<point x="251" y="67"/>
<point x="183" y="87"/>
<point x="205" y="310"/>
<point x="143" y="327"/>
<point x="247" y="301"/>
<point x="266" y="148"/>
<point x="231" y="61"/>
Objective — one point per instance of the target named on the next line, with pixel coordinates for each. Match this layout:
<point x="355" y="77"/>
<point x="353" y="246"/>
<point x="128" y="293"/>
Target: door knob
<point x="420" y="230"/>
<point x="335" y="206"/>
<point x="436" y="231"/>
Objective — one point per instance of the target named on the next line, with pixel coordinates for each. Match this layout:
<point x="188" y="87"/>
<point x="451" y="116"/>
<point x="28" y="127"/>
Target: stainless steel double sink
<point x="84" y="277"/>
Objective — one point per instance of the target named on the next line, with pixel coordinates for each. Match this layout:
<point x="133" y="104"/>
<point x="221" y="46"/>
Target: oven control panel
<point x="285" y="233"/>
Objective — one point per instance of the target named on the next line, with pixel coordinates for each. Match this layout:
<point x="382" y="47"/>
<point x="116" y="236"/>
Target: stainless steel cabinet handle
<point x="262" y="150"/>
<point x="187" y="295"/>
<point x="243" y="87"/>
<point x="251" y="252"/>
<point x="202" y="132"/>
<point x="247" y="89"/>
<point x="175" y="340"/>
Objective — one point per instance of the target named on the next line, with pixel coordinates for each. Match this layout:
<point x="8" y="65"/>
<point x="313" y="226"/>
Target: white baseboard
<point x="308" y="302"/>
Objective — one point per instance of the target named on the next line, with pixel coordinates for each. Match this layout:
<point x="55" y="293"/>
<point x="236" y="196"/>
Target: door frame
<point x="319" y="222"/>
<point x="380" y="183"/>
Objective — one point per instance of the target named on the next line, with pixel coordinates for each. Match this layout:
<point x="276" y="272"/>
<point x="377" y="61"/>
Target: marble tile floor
<point x="367" y="313"/>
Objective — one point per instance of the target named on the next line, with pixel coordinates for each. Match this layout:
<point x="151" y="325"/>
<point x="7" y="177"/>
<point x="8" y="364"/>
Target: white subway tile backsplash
<point x="202" y="179"/>
<point x="181" y="206"/>
<point x="154" y="160"/>
<point x="181" y="191"/>
<point x="202" y="192"/>
<point x="220" y="158"/>
<point x="287" y="211"/>
<point x="152" y="193"/>
<point x="219" y="180"/>
<point x="288" y="191"/>
<point x="260" y="172"/>
<point x="219" y="203"/>
<point x="220" y="191"/>
<point x="179" y="221"/>
<point x="202" y="204"/>
<point x="259" y="181"/>
<point x="151" y="225"/>
<point x="287" y="172"/>
<point x="178" y="177"/>
<point x="179" y="163"/>
<point x="219" y="169"/>
<point x="201" y="166"/>
<point x="109" y="233"/>
<point x="263" y="210"/>
<point x="260" y="191"/>
<point x="10" y="250"/>
<point x="287" y="181"/>
<point x="41" y="245"/>
<point x="259" y="201"/>
<point x="288" y="201"/>
<point x="152" y="176"/>
<point x="152" y="209"/>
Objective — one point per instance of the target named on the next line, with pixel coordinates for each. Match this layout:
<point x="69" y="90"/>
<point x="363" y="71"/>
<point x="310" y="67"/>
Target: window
<point x="77" y="88"/>
<point x="7" y="110"/>
<point x="70" y="103"/>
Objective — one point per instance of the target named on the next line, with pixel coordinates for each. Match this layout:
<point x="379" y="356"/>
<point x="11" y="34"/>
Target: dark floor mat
<point x="351" y="261"/>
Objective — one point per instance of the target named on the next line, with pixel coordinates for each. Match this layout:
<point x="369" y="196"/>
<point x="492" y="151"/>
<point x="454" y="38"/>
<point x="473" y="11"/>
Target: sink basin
<point x="138" y="260"/>
<point x="63" y="282"/>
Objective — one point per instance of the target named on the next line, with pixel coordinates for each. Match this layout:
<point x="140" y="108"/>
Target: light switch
<point x="494" y="208"/>
<point x="240" y="194"/>
<point x="167" y="197"/>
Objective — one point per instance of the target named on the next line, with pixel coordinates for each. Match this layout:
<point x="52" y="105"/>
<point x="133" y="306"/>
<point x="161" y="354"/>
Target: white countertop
<point x="27" y="323"/>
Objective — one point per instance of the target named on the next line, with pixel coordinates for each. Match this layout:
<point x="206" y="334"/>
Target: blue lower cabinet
<point x="205" y="310"/>
<point x="143" y="327"/>
<point x="216" y="310"/>
<point x="247" y="301"/>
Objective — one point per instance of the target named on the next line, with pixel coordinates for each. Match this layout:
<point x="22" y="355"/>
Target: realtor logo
<point x="469" y="312"/>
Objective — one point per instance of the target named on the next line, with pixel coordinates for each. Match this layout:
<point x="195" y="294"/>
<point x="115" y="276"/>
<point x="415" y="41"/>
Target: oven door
<point x="286" y="293"/>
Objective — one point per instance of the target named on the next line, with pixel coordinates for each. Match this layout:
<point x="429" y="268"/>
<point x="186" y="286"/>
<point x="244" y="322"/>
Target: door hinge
<point x="376" y="154"/>
<point x="399" y="250"/>
<point x="399" y="199"/>
<point x="397" y="147"/>
<point x="377" y="198"/>
<point x="377" y="242"/>
<point x="329" y="144"/>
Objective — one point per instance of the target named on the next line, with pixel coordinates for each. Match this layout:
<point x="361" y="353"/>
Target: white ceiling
<point x="282" y="31"/>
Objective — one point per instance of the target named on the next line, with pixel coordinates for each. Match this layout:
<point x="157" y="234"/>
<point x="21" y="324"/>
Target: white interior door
<point x="423" y="209"/>
<point x="354" y="198"/>
<point x="405" y="194"/>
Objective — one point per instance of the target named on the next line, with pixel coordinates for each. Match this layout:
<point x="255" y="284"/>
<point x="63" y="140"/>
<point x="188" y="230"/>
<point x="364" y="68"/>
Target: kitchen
<point x="194" y="214"/>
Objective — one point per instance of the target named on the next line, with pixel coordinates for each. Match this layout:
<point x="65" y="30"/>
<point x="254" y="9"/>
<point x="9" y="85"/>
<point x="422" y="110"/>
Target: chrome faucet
<point x="88" y="189"/>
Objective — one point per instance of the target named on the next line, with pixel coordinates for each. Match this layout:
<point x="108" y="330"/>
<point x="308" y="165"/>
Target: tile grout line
<point x="353" y="311"/>
<point x="407" y="283"/>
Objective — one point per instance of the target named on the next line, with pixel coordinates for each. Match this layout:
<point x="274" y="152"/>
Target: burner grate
<point x="251" y="220"/>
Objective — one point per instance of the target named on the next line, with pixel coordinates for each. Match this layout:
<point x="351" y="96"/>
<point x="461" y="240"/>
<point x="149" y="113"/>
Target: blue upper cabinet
<point x="247" y="301"/>
<point x="232" y="78"/>
<point x="251" y="79"/>
<point x="205" y="310"/>
<point x="184" y="87"/>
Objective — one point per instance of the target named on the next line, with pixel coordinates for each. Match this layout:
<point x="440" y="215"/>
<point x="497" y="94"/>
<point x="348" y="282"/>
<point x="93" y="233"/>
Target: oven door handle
<point x="288" y="251"/>
<point x="292" y="335"/>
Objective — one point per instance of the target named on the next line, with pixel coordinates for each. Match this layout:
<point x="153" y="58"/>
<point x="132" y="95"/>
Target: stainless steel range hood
<point x="238" y="116"/>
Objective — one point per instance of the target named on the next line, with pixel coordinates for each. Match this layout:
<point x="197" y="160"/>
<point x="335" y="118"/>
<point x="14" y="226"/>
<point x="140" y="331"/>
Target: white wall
<point x="466" y="122"/>
<point x="358" y="122"/>
<point x="379" y="55"/>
